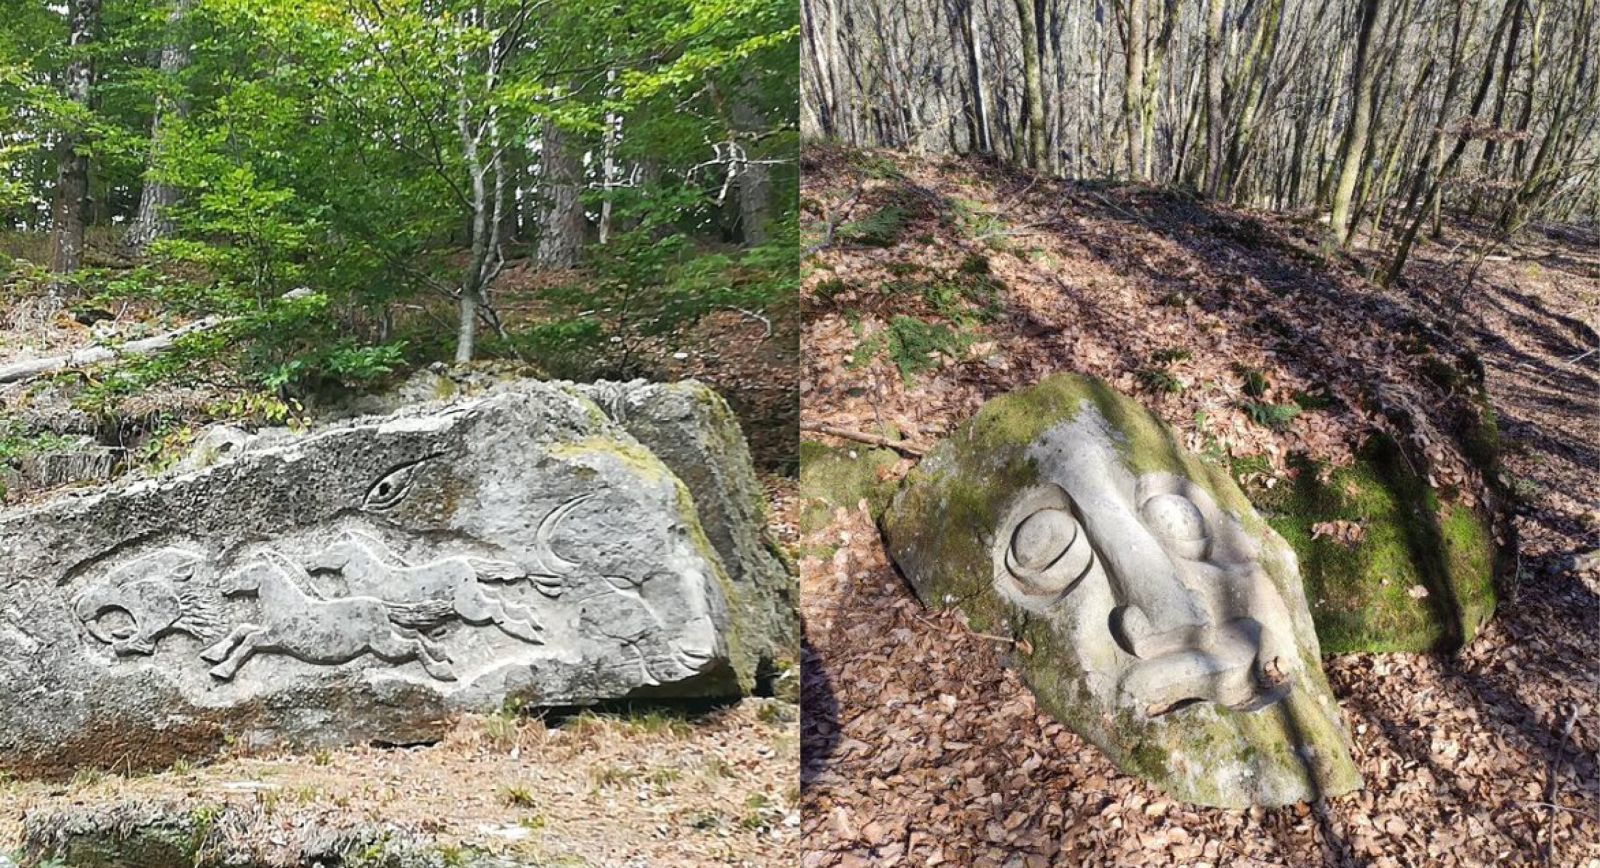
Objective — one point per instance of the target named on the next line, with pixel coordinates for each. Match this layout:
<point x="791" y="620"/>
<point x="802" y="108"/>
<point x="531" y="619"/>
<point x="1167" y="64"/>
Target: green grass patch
<point x="1274" y="416"/>
<point x="881" y="228"/>
<point x="914" y="346"/>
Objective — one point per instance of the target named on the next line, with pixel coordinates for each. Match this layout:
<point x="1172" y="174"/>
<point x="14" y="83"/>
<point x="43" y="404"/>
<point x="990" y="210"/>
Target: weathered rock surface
<point x="365" y="581"/>
<point x="693" y="431"/>
<point x="221" y="835"/>
<point x="1157" y="614"/>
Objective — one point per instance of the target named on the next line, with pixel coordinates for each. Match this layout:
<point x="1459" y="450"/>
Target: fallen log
<point x="93" y="355"/>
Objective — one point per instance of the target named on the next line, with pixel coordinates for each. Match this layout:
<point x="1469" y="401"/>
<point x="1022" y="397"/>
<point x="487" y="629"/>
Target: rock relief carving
<point x="328" y="632"/>
<point x="1188" y="596"/>
<point x="147" y="599"/>
<point x="425" y="597"/>
<point x="388" y="607"/>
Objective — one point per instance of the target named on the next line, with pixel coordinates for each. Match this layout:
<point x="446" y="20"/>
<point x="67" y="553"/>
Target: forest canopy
<point x="345" y="186"/>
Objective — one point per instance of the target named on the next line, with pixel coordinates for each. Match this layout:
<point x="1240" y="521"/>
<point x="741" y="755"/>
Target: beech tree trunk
<point x="157" y="196"/>
<point x="1214" y="118"/>
<point x="70" y="207"/>
<point x="563" y="223"/>
<point x="1035" y="150"/>
<point x="1353" y="148"/>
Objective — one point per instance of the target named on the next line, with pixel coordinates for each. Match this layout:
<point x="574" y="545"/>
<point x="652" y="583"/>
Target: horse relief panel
<point x="366" y="581"/>
<point x="357" y="598"/>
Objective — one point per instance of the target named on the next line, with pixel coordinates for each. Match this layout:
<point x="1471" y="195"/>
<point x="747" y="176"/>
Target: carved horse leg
<point x="475" y="606"/>
<point x="242" y="651"/>
<point x="219" y="651"/>
<point x="395" y="647"/>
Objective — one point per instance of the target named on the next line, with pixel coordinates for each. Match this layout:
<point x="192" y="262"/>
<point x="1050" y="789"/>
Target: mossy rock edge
<point x="941" y="530"/>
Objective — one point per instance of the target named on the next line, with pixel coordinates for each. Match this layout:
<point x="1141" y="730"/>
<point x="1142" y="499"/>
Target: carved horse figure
<point x="318" y="631"/>
<point x="421" y="597"/>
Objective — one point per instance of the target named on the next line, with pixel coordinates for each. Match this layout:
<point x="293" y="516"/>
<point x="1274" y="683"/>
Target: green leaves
<point x="351" y="152"/>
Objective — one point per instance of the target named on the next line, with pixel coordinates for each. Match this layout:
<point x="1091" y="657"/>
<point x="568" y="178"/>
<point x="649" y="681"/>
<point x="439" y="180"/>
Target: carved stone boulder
<point x="1159" y="616"/>
<point x="366" y="581"/>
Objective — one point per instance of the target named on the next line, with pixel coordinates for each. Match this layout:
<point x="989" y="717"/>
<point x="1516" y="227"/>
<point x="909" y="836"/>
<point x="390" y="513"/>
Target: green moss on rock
<point x="831" y="478"/>
<point x="1422" y="577"/>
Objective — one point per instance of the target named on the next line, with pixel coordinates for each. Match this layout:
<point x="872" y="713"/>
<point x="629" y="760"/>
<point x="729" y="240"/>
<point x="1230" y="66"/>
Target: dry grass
<point x="720" y="789"/>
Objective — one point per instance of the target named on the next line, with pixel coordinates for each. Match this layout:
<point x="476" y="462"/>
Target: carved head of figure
<point x="1179" y="582"/>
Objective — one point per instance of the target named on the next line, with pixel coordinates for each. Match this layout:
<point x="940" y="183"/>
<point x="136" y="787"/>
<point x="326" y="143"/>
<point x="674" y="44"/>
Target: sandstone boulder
<point x="1156" y="613"/>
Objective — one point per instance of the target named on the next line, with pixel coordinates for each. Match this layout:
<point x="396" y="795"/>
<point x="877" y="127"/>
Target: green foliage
<point x="320" y="152"/>
<point x="1255" y="382"/>
<point x="914" y="346"/>
<point x="1158" y="379"/>
<point x="1274" y="416"/>
<point x="16" y="445"/>
<point x="644" y="290"/>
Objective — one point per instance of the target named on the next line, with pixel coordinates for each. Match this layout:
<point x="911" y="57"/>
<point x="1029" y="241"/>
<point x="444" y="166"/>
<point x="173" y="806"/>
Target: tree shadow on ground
<point x="819" y="714"/>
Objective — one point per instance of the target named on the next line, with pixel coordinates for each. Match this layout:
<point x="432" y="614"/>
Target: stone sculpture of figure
<point x="154" y="595"/>
<point x="326" y="632"/>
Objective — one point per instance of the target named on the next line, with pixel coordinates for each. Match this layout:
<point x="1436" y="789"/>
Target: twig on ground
<point x="1553" y="786"/>
<point x="901" y="446"/>
<point x="766" y="323"/>
<point x="935" y="625"/>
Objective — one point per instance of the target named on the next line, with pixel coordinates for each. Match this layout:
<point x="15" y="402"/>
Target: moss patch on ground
<point x="831" y="478"/>
<point x="1421" y="578"/>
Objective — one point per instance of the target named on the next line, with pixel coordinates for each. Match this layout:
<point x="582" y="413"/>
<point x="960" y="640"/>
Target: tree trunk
<point x="1034" y="150"/>
<point x="563" y="223"/>
<point x="1214" y="119"/>
<point x="1135" y="48"/>
<point x="1353" y="147"/>
<point x="70" y="207"/>
<point x="755" y="176"/>
<point x="983" y="139"/>
<point x="157" y="196"/>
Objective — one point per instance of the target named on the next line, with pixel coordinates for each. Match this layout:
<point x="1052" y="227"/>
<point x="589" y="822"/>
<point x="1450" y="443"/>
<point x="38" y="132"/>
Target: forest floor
<point x="717" y="788"/>
<point x="922" y="746"/>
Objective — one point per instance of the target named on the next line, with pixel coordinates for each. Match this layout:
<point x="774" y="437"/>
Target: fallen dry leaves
<point x="921" y="746"/>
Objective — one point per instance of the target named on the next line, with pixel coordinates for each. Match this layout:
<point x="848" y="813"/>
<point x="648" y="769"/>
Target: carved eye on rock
<point x="1178" y="522"/>
<point x="387" y="492"/>
<point x="1048" y="552"/>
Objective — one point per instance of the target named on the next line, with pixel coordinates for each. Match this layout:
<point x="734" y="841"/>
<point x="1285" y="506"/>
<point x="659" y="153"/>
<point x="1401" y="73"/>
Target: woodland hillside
<point x="297" y="200"/>
<point x="1381" y="115"/>
<point x="936" y="283"/>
